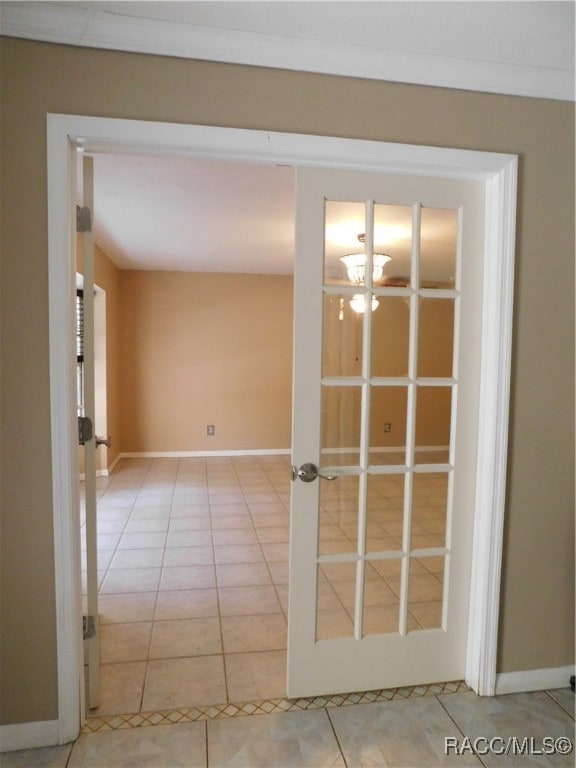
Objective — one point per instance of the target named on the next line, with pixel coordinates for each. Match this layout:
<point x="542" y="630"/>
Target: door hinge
<point x="88" y="627"/>
<point x="85" y="430"/>
<point x="83" y="219"/>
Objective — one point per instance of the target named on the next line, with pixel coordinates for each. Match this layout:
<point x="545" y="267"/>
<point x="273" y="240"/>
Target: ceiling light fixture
<point x="355" y="264"/>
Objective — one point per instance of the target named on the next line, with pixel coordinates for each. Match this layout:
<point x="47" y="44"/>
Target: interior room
<point x="193" y="369"/>
<point x="479" y="91"/>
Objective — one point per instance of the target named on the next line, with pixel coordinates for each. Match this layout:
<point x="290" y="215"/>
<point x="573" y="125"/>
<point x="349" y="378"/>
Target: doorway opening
<point x="193" y="546"/>
<point x="498" y="173"/>
<point x="193" y="519"/>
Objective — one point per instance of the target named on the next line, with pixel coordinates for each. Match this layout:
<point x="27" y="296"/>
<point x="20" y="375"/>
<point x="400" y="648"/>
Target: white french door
<point x="386" y="385"/>
<point x="91" y="625"/>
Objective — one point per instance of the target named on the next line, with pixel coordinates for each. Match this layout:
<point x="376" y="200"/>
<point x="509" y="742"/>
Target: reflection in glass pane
<point x="438" y="245"/>
<point x="340" y="438"/>
<point x="390" y="488"/>
<point x="335" y="604"/>
<point x="429" y="509"/>
<point x="388" y="408"/>
<point x="344" y="222"/>
<point x="338" y="523"/>
<point x="390" y="337"/>
<point x="393" y="237"/>
<point x="433" y="420"/>
<point x="359" y="301"/>
<point x="425" y="592"/>
<point x="341" y="338"/>
<point x="427" y="456"/>
<point x="381" y="597"/>
<point x="385" y="513"/>
<point x="435" y="337"/>
<point x="332" y="539"/>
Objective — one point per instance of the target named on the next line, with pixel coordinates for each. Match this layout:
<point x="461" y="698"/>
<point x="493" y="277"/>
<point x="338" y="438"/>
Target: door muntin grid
<point x="384" y="534"/>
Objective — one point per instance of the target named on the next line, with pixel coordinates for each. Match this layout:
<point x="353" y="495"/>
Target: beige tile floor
<point x="399" y="734"/>
<point x="193" y="559"/>
<point x="193" y="574"/>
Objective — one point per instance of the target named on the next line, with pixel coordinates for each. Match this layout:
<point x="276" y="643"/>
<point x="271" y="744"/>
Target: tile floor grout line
<point x="478" y="757"/>
<point x="147" y="660"/>
<point x="224" y="664"/>
<point x="219" y="609"/>
<point x="274" y="585"/>
<point x="570" y="714"/>
<point x="131" y="509"/>
<point x="264" y="559"/>
<point x="336" y="737"/>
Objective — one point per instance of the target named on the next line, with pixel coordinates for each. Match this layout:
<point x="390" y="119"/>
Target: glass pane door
<point x="382" y="579"/>
<point x="387" y="378"/>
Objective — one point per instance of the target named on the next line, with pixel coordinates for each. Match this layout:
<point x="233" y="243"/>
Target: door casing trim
<point x="69" y="134"/>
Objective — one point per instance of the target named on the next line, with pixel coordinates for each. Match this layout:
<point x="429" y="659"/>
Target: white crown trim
<point x="101" y="29"/>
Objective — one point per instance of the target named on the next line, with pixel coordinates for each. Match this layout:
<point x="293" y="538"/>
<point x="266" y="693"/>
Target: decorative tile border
<point x="219" y="711"/>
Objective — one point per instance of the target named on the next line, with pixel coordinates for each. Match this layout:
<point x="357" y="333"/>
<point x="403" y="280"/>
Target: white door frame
<point x="67" y="133"/>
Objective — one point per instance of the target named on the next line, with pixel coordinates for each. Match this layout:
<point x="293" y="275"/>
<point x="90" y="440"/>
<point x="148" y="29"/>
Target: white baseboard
<point x="28" y="735"/>
<point x="113" y="464"/>
<point x="99" y="473"/>
<point x="390" y="449"/>
<point x="242" y="452"/>
<point x="203" y="454"/>
<point x="533" y="680"/>
<point x="105" y="472"/>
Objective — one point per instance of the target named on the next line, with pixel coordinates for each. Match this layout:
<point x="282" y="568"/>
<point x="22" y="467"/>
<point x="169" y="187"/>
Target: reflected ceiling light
<point x="355" y="264"/>
<point x="358" y="303"/>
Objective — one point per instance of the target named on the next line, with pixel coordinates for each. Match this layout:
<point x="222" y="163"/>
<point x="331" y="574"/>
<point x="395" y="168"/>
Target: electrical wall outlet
<point x="387" y="427"/>
<point x="210" y="430"/>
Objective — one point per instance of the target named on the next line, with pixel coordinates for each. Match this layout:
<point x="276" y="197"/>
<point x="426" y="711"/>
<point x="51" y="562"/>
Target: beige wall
<point x="343" y="356"/>
<point x="537" y="599"/>
<point x="201" y="349"/>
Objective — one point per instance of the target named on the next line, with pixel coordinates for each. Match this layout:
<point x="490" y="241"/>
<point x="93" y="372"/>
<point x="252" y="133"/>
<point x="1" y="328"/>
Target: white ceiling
<point x="162" y="213"/>
<point x="205" y="215"/>
<point x="194" y="214"/>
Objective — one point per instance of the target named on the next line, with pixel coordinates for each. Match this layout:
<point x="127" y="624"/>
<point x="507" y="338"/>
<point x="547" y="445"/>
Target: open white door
<point x="88" y="439"/>
<point x="386" y="408"/>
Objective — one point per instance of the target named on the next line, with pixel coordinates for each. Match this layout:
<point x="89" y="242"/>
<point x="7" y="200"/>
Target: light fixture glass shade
<point x="355" y="264"/>
<point x="358" y="303"/>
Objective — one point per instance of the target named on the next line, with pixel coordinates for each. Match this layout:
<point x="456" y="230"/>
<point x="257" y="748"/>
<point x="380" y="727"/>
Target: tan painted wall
<point x="343" y="356"/>
<point x="201" y="349"/>
<point x="537" y="599"/>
